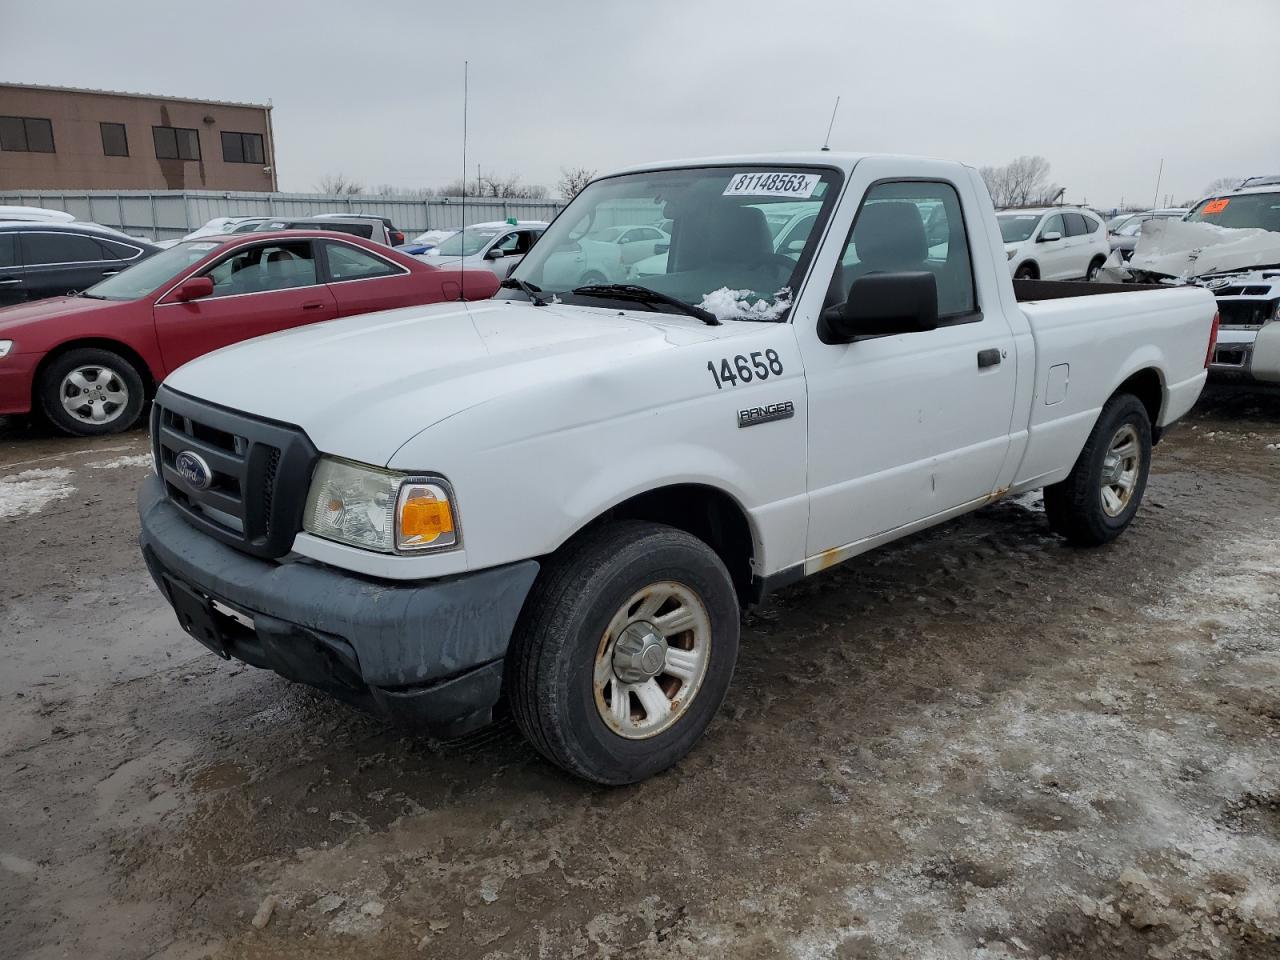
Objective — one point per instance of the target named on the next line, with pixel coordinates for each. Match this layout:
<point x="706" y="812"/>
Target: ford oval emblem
<point x="192" y="468"/>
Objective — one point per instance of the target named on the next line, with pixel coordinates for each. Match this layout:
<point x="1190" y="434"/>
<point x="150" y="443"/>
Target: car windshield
<point x="149" y="275"/>
<point x="1016" y="227"/>
<point x="720" y="253"/>
<point x="1260" y="210"/>
<point x="466" y="243"/>
<point x="1131" y="227"/>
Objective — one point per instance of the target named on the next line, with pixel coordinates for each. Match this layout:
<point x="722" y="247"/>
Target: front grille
<point x="258" y="469"/>
<point x="1242" y="291"/>
<point x="1245" y="313"/>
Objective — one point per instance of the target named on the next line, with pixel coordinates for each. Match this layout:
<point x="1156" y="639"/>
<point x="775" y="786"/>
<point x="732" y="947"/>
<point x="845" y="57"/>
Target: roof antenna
<point x="462" y="276"/>
<point x="826" y="144"/>
<point x="1159" y="176"/>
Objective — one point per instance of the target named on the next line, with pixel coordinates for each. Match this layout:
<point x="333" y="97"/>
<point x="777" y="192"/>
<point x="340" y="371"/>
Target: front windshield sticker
<point x="767" y="184"/>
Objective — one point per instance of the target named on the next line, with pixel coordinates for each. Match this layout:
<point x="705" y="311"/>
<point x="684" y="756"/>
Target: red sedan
<point x="89" y="361"/>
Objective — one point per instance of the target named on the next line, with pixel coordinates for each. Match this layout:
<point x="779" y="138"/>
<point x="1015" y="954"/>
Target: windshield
<point x="466" y="243"/>
<point x="1016" y="227"/>
<point x="1131" y="227"/>
<point x="1261" y="210"/>
<point x="149" y="275"/>
<point x="722" y="253"/>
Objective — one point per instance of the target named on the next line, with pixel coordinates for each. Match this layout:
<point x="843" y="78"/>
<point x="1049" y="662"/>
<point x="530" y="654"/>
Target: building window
<point x="241" y="147"/>
<point x="26" y="134"/>
<point x="115" y="142"/>
<point x="176" y="143"/>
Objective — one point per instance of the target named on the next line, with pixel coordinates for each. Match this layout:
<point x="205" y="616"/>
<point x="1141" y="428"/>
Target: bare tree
<point x="572" y="180"/>
<point x="340" y="184"/>
<point x="1022" y="182"/>
<point x="1222" y="185"/>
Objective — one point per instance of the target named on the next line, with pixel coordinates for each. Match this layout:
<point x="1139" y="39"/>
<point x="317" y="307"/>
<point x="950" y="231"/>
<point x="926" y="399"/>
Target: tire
<point x="592" y="276"/>
<point x="1026" y="272"/>
<point x="566" y="667"/>
<point x="1079" y="507"/>
<point x="1094" y="266"/>
<point x="112" y="386"/>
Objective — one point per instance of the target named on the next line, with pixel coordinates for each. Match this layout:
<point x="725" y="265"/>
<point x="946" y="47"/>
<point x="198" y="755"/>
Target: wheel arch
<point x="1148" y="386"/>
<point x="1032" y="264"/>
<point x="705" y="511"/>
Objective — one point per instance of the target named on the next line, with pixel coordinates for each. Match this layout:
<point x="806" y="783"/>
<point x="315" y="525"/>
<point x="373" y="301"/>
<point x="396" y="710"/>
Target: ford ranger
<point x="561" y="499"/>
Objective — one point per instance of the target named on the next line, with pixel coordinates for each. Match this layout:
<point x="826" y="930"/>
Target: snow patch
<point x="726" y="304"/>
<point x="29" y="492"/>
<point x="1032" y="500"/>
<point x="141" y="460"/>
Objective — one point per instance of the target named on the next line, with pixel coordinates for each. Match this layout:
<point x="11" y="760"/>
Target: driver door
<point x="907" y="427"/>
<point x="257" y="289"/>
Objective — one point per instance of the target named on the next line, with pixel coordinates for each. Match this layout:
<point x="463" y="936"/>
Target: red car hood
<point x="23" y="316"/>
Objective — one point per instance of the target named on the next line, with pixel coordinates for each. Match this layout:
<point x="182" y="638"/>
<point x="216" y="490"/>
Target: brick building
<point x="60" y="138"/>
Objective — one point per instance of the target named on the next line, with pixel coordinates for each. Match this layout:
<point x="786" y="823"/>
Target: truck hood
<point x="22" y="316"/>
<point x="363" y="386"/>
<point x="1177" y="248"/>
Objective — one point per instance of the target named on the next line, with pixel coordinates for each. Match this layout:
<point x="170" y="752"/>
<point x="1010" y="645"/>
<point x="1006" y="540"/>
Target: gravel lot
<point x="974" y="743"/>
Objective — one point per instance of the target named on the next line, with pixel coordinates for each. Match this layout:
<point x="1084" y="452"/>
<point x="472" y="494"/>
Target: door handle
<point x="313" y="305"/>
<point x="988" y="358"/>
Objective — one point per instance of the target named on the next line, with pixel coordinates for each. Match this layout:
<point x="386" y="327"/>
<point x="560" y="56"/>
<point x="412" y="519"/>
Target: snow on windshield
<point x="728" y="304"/>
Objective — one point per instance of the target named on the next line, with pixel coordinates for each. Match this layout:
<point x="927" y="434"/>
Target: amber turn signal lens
<point x="426" y="517"/>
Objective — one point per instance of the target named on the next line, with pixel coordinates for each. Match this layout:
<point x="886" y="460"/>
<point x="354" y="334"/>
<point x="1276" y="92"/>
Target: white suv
<point x="1054" y="243"/>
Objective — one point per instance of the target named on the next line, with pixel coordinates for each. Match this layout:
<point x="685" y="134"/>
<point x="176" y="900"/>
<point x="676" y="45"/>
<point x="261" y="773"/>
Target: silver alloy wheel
<point x="94" y="394"/>
<point x="1120" y="469"/>
<point x="652" y="659"/>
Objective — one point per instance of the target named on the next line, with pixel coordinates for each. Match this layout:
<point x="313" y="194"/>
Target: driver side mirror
<point x="497" y="253"/>
<point x="882" y="304"/>
<point x="193" y="288"/>
<point x="1049" y="237"/>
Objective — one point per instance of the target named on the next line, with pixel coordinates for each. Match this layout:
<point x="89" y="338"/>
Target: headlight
<point x="1009" y="254"/>
<point x="5" y="347"/>
<point x="379" y="509"/>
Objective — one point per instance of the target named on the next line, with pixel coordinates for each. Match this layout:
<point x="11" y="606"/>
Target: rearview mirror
<point x="193" y="288"/>
<point x="497" y="253"/>
<point x="880" y="304"/>
<point x="1050" y="237"/>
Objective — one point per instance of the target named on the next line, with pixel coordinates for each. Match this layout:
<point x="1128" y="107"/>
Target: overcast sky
<point x="1102" y="88"/>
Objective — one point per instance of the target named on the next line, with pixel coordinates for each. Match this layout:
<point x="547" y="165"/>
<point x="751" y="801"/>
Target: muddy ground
<point x="975" y="743"/>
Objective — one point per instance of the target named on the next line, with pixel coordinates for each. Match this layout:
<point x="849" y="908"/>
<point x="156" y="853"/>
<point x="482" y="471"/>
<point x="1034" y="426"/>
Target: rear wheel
<point x="90" y="392"/>
<point x="624" y="651"/>
<point x="1099" y="498"/>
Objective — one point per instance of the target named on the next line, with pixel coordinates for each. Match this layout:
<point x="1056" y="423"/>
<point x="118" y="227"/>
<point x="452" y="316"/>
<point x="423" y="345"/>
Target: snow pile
<point x="726" y="304"/>
<point x="30" y="491"/>
<point x="142" y="460"/>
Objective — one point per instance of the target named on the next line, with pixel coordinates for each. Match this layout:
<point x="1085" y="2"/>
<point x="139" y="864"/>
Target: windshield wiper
<point x="633" y="291"/>
<point x="528" y="289"/>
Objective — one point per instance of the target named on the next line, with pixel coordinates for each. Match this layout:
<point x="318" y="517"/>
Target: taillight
<point x="397" y="238"/>
<point x="1213" y="341"/>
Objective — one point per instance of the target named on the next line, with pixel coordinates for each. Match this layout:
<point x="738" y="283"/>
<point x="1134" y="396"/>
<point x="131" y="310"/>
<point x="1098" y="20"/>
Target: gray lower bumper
<point x="430" y="653"/>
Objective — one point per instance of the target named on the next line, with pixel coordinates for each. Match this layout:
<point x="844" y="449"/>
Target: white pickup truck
<point x="561" y="499"/>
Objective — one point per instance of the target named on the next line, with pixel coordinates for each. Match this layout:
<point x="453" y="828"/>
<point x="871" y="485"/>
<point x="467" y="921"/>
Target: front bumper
<point x="1248" y="354"/>
<point x="426" y="653"/>
<point x="16" y="377"/>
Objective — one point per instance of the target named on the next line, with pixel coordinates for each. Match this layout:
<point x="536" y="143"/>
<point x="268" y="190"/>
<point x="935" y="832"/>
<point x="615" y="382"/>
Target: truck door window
<point x="910" y="226"/>
<point x="273" y="266"/>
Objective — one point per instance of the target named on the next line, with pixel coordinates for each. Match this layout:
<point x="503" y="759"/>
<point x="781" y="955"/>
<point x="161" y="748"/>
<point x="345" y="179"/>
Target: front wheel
<point x="1099" y="498"/>
<point x="1094" y="267"/>
<point x="90" y="392"/>
<point x="624" y="651"/>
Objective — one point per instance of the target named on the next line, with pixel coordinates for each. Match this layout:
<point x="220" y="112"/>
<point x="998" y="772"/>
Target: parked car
<point x="608" y="255"/>
<point x="219" y="227"/>
<point x="370" y="228"/>
<point x="41" y="259"/>
<point x="35" y="213"/>
<point x="497" y="247"/>
<point x="395" y="237"/>
<point x="89" y="361"/>
<point x="425" y="241"/>
<point x="1124" y="237"/>
<point x="565" y="496"/>
<point x="1053" y="243"/>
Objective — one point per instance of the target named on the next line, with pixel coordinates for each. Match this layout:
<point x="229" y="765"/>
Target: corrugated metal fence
<point x="166" y="215"/>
